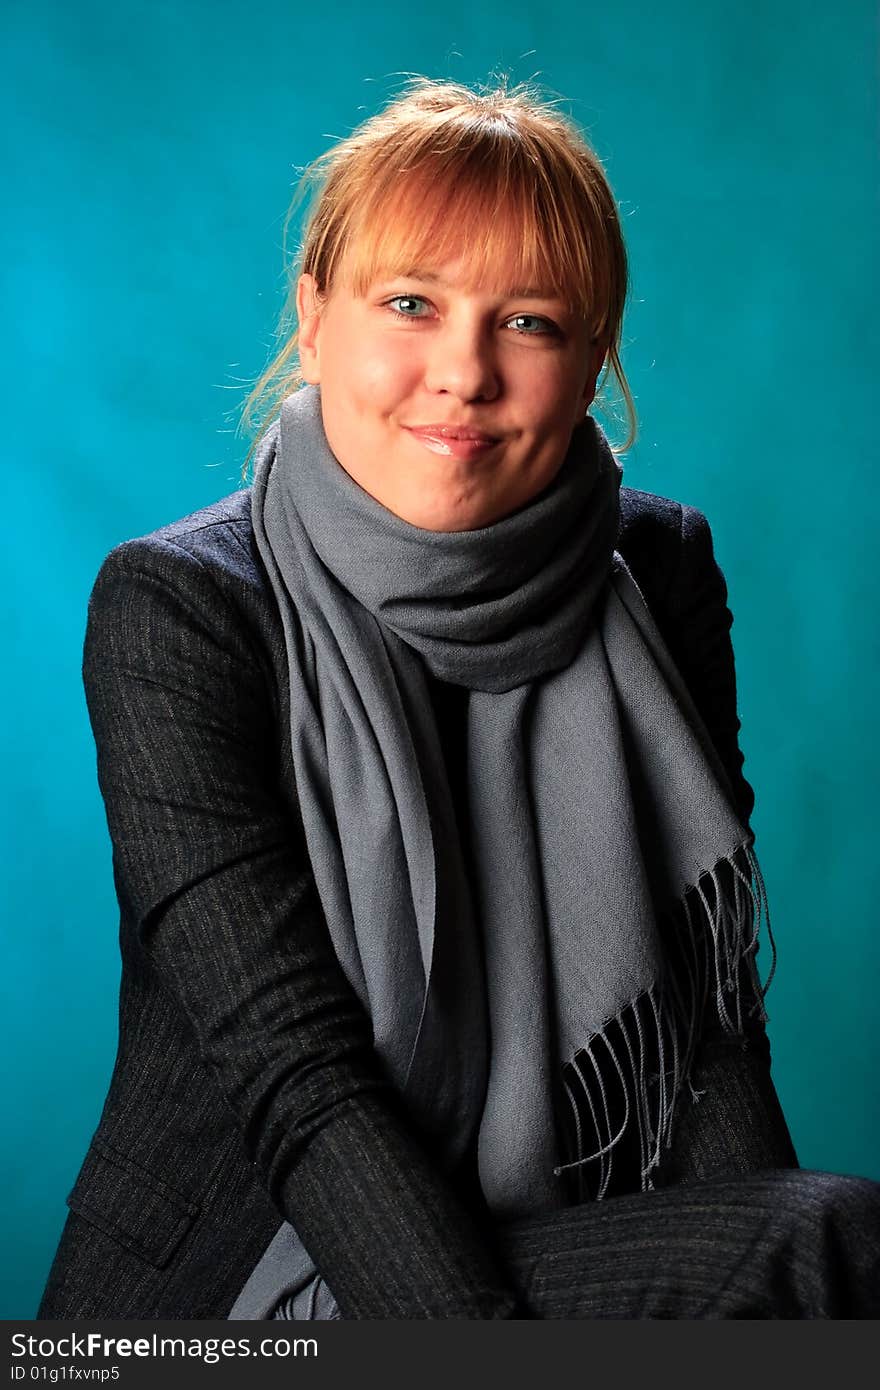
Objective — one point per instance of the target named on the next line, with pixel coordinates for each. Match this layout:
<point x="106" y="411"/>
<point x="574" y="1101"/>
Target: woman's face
<point x="453" y="406"/>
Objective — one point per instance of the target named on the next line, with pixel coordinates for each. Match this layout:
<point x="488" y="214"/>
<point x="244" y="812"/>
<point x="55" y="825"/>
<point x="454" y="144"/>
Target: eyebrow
<point x="516" y="292"/>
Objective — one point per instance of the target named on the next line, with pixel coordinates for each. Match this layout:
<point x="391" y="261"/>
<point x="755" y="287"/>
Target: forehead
<point x="486" y="242"/>
<point x="472" y="273"/>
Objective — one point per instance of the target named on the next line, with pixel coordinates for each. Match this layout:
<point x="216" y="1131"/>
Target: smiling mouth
<point x="454" y="441"/>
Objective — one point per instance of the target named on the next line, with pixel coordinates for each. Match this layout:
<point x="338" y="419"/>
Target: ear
<point x="308" y="312"/>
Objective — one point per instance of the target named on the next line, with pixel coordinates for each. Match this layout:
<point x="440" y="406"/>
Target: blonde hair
<point x="443" y="166"/>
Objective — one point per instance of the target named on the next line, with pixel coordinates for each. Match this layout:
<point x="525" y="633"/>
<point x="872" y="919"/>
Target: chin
<point x="452" y="517"/>
<point x="469" y="508"/>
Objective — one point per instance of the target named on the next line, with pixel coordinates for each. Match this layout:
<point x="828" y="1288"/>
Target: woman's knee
<point x="834" y="1221"/>
<point x="834" y="1198"/>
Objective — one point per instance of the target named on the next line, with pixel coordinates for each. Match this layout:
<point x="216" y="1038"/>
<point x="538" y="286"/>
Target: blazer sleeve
<point x="219" y="900"/>
<point x="700" y="634"/>
<point x="734" y="1123"/>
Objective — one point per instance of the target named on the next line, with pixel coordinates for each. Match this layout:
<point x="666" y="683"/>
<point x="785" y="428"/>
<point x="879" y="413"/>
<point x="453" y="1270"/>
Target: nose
<point x="461" y="362"/>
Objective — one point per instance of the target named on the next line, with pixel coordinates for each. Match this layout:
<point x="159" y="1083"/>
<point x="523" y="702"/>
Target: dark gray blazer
<point x="245" y="1087"/>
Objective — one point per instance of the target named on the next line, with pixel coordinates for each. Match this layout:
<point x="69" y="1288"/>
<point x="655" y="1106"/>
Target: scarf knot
<point x="490" y="608"/>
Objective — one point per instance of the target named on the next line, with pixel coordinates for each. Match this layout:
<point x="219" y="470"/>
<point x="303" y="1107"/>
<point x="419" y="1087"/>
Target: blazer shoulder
<point x="214" y="544"/>
<point x="204" y="569"/>
<point x="207" y="534"/>
<point x="650" y="538"/>
<point x="647" y="510"/>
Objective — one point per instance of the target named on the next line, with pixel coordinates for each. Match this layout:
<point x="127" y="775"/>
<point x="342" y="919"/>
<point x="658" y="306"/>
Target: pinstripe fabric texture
<point x="785" y="1244"/>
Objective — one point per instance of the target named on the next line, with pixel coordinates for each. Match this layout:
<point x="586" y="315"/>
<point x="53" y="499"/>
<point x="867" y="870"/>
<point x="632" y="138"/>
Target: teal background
<point x="151" y="148"/>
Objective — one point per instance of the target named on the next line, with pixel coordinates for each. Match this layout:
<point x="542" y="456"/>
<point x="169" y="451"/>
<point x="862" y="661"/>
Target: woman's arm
<point x="737" y="1125"/>
<point x="213" y="878"/>
<point x="699" y="638"/>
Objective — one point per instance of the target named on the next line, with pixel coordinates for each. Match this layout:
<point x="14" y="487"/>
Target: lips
<point x="454" y="432"/>
<point x="455" y="441"/>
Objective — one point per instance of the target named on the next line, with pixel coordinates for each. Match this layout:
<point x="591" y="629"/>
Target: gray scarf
<point x="543" y="1004"/>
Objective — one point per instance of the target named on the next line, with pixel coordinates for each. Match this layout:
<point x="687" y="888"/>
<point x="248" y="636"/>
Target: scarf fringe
<point x="621" y="1091"/>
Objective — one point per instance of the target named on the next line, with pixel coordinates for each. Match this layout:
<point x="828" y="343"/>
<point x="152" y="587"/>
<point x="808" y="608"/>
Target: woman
<point x="439" y="906"/>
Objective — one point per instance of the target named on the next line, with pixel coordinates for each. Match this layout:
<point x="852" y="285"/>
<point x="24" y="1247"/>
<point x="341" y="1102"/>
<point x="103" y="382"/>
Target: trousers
<point x="787" y="1243"/>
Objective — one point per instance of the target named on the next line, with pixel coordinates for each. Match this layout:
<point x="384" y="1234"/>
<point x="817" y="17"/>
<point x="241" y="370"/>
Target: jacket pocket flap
<point x="133" y="1206"/>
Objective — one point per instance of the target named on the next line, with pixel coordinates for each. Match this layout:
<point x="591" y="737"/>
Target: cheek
<point x="553" y="405"/>
<point x="378" y="374"/>
<point x="550" y="391"/>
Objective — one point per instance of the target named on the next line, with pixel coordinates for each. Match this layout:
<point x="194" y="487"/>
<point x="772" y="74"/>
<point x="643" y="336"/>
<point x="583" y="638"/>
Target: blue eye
<point x="407" y="305"/>
<point x="532" y="324"/>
